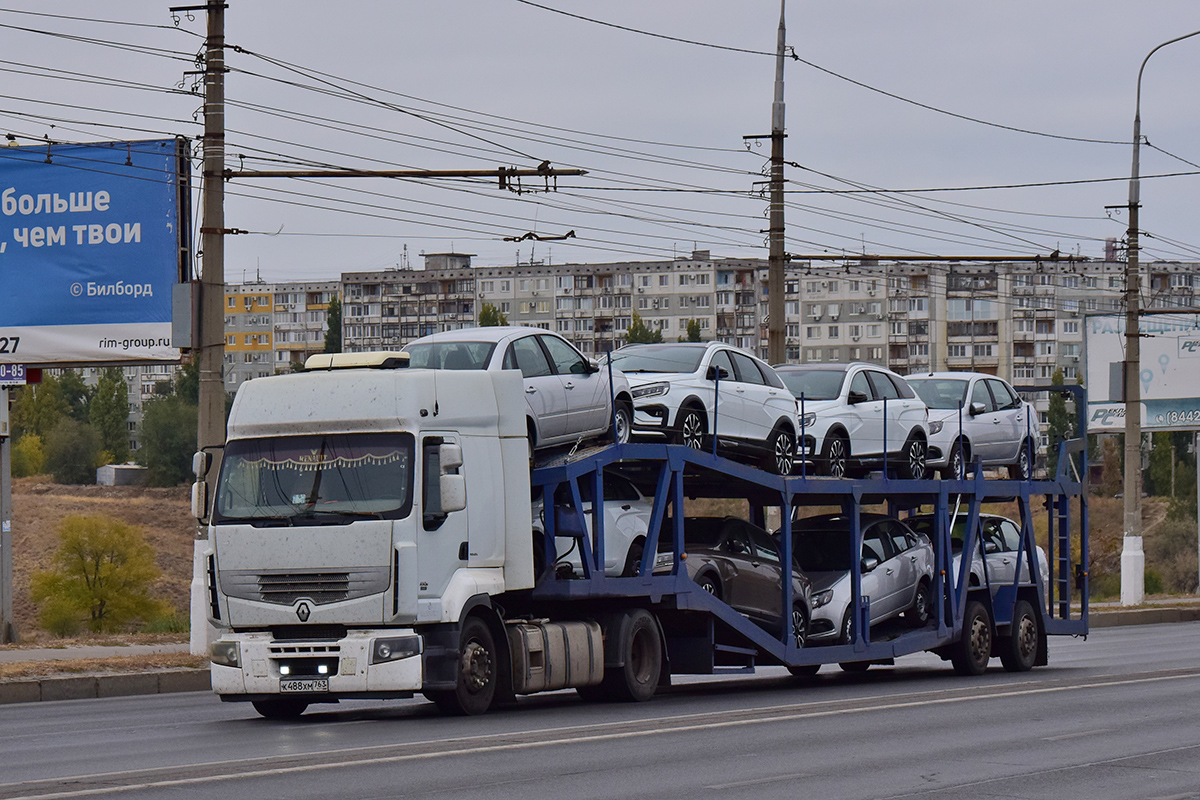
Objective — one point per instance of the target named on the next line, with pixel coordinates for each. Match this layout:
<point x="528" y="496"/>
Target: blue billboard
<point x="92" y="239"/>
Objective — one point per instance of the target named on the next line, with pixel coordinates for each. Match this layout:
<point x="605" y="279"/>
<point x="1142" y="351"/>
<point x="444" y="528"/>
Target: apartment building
<point x="271" y="327"/>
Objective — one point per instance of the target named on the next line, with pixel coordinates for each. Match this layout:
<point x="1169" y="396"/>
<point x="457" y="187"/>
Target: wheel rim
<point x="847" y="628"/>
<point x="837" y="458"/>
<point x="693" y="430"/>
<point x="798" y="626"/>
<point x="622" y="424"/>
<point x="1023" y="463"/>
<point x="922" y="604"/>
<point x="1027" y="638"/>
<point x="709" y="585"/>
<point x="916" y="459"/>
<point x="785" y="453"/>
<point x="956" y="462"/>
<point x="476" y="666"/>
<point x="981" y="641"/>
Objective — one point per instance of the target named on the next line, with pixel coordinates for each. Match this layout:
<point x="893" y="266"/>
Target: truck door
<point x="442" y="536"/>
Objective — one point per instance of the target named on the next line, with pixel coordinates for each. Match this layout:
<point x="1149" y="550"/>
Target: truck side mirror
<point x="453" y="489"/>
<point x="450" y="457"/>
<point x="199" y="498"/>
<point x="201" y="461"/>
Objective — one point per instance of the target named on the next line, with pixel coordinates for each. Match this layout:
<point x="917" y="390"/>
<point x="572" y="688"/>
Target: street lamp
<point x="1133" y="559"/>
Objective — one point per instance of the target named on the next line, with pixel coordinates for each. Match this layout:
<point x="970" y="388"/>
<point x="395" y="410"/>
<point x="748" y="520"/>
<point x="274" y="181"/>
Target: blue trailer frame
<point x="705" y="635"/>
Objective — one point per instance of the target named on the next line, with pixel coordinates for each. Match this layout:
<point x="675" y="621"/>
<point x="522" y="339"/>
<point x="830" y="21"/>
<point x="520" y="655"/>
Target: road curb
<point x="83" y="687"/>
<point x="1143" y="616"/>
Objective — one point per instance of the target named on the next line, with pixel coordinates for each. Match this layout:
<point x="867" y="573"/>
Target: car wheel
<point x="847" y="634"/>
<point x="710" y="583"/>
<point x="477" y="672"/>
<point x="1023" y="469"/>
<point x="622" y="422"/>
<point x="919" y="613"/>
<point x="970" y="654"/>
<point x="956" y="464"/>
<point x="837" y="456"/>
<point x="1019" y="649"/>
<point x="633" y="561"/>
<point x="799" y="624"/>
<point x="782" y="458"/>
<point x="280" y="708"/>
<point x="691" y="428"/>
<point x="914" y="458"/>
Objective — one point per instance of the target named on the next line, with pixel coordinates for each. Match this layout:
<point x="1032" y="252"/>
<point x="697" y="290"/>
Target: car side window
<point x="566" y="360"/>
<point x="902" y="387"/>
<point x="618" y="489"/>
<point x="900" y="537"/>
<point x="876" y="542"/>
<point x="883" y="386"/>
<point x="980" y="394"/>
<point x="859" y="384"/>
<point x="747" y="370"/>
<point x="771" y="376"/>
<point x="1011" y="535"/>
<point x="736" y="541"/>
<point x="1005" y="397"/>
<point x="528" y="357"/>
<point x="765" y="547"/>
<point x="721" y="359"/>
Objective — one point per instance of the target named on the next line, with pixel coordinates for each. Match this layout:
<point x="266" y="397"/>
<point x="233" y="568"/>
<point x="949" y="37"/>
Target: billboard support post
<point x="8" y="627"/>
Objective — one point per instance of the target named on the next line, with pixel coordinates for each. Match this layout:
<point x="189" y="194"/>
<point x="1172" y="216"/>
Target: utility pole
<point x="776" y="352"/>
<point x="8" y="628"/>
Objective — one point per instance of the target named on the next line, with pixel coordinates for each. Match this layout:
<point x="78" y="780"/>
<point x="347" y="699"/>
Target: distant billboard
<point x="92" y="239"/>
<point x="1169" y="376"/>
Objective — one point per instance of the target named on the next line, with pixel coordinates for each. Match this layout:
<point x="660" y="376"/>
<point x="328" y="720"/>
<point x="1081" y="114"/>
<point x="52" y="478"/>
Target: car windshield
<point x="925" y="525"/>
<point x="658" y="358"/>
<point x="315" y="480"/>
<point x="450" y="355"/>
<point x="941" y="393"/>
<point x="814" y="384"/>
<point x="822" y="550"/>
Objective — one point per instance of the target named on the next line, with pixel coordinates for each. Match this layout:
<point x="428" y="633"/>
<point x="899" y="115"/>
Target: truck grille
<point x="317" y="586"/>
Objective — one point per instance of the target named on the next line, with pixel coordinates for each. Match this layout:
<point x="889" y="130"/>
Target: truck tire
<point x="280" y="707"/>
<point x="970" y="654"/>
<point x="854" y="666"/>
<point x="631" y="636"/>
<point x="478" y="670"/>
<point x="1018" y="650"/>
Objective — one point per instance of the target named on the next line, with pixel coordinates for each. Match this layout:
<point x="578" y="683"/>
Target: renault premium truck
<point x="370" y="536"/>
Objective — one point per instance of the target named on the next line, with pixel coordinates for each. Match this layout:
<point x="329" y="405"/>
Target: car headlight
<point x="227" y="654"/>
<point x="936" y="427"/>
<point x="808" y="420"/>
<point x="822" y="598"/>
<point x="394" y="648"/>
<point x="664" y="560"/>
<point x="651" y="390"/>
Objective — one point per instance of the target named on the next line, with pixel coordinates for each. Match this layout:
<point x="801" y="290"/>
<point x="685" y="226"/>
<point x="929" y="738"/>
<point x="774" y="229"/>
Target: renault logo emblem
<point x="302" y="612"/>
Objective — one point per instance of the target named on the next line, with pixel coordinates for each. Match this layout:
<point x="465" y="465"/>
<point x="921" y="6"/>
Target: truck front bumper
<point x="368" y="663"/>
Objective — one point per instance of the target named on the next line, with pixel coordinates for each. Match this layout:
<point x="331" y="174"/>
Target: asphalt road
<point x="1112" y="717"/>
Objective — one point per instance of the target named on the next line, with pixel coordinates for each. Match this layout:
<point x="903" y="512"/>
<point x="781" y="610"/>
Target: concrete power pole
<point x="776" y="257"/>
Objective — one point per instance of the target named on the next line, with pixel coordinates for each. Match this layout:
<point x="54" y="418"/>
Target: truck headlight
<point x="227" y="654"/>
<point x="936" y="427"/>
<point x="651" y="390"/>
<point x="822" y="598"/>
<point x="808" y="420"/>
<point x="394" y="648"/>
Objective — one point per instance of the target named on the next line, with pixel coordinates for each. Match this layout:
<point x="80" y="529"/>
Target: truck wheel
<point x="477" y="672"/>
<point x="804" y="670"/>
<point x="280" y="708"/>
<point x="637" y="646"/>
<point x="970" y="654"/>
<point x="1018" y="651"/>
<point x="854" y="666"/>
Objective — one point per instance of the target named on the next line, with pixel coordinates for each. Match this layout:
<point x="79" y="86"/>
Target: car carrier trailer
<point x="371" y="537"/>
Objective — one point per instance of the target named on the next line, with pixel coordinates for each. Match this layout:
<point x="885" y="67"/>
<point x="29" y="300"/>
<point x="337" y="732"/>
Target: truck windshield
<point x="322" y="479"/>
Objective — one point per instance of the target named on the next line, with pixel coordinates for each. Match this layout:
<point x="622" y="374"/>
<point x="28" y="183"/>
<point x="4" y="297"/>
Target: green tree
<point x="1059" y="426"/>
<point x="490" y="316"/>
<point x="168" y="440"/>
<point x="100" y="576"/>
<point x="39" y="407"/>
<point x="109" y="413"/>
<point x="693" y="330"/>
<point x="187" y="383"/>
<point x="28" y="456"/>
<point x="333" y="335"/>
<point x="72" y="451"/>
<point x="638" y="333"/>
<point x="76" y="393"/>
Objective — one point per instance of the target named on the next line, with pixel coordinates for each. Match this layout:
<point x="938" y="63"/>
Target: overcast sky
<point x="658" y="124"/>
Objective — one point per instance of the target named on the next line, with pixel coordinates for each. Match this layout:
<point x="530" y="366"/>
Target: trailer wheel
<point x="1018" y="651"/>
<point x="970" y="654"/>
<point x="477" y="672"/>
<point x="804" y="670"/>
<point x="280" y="708"/>
<point x="854" y="666"/>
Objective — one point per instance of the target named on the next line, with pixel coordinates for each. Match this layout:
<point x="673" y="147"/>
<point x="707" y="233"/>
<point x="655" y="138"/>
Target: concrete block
<point x="68" y="688"/>
<point x="184" y="680"/>
<point x="122" y="685"/>
<point x="20" y="691"/>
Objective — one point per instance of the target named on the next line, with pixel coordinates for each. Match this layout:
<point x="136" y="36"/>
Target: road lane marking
<point x="1076" y="735"/>
<point x="520" y="740"/>
<point x="760" y="781"/>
